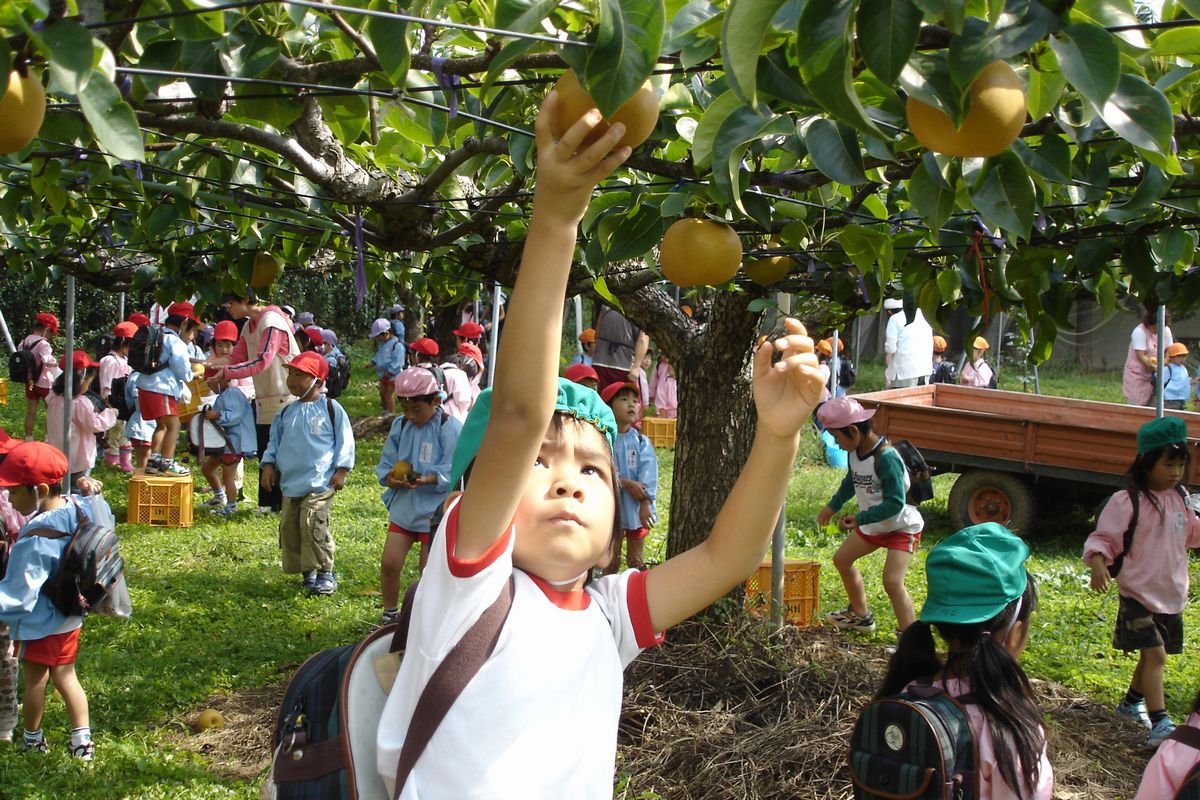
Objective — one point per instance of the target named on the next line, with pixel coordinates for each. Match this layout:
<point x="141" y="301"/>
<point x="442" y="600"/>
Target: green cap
<point x="973" y="574"/>
<point x="1161" y="432"/>
<point x="575" y="399"/>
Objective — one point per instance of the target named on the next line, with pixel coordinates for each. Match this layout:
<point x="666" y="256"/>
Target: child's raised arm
<point x="784" y="395"/>
<point x="525" y="385"/>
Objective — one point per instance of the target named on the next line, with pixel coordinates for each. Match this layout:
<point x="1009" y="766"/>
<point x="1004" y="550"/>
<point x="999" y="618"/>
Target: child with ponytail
<point x="980" y="598"/>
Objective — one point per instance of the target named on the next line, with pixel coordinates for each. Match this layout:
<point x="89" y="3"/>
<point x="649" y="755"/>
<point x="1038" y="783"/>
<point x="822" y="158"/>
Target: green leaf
<point x="747" y="23"/>
<point x="981" y="44"/>
<point x="1172" y="246"/>
<point x="931" y="197"/>
<point x="600" y="287"/>
<point x="634" y="234"/>
<point x="1044" y="87"/>
<point x="1140" y="114"/>
<point x="68" y="45"/>
<point x="833" y="148"/>
<point x="1111" y="14"/>
<point x="624" y="53"/>
<point x="523" y="16"/>
<point x="710" y="124"/>
<point x="887" y="34"/>
<point x="389" y="37"/>
<point x="1177" y="42"/>
<point x="949" y="284"/>
<point x="1106" y="293"/>
<point x="111" y="118"/>
<point x="741" y="128"/>
<point x="203" y="27"/>
<point x="927" y="78"/>
<point x="1051" y="159"/>
<point x="870" y="250"/>
<point x="777" y="79"/>
<point x="824" y="40"/>
<point x="1090" y="60"/>
<point x="1153" y="187"/>
<point x="1003" y="194"/>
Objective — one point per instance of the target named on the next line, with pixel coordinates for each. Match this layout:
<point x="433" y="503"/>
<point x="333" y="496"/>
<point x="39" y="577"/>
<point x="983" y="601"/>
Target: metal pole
<point x="578" y="322"/>
<point x="495" y="332"/>
<point x="7" y="335"/>
<point x="68" y="379"/>
<point x="1158" y="368"/>
<point x="834" y="367"/>
<point x="121" y="307"/>
<point x="1037" y="385"/>
<point x="999" y="345"/>
<point x="777" y="558"/>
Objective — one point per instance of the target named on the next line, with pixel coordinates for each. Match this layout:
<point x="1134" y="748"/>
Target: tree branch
<point x="471" y="147"/>
<point x="482" y="216"/>
<point x="350" y="32"/>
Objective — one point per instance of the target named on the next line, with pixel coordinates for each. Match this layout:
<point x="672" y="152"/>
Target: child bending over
<point x="231" y="412"/>
<point x="540" y="509"/>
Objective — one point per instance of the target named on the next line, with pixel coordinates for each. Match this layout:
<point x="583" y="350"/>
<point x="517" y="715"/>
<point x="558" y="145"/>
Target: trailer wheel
<point x="987" y="496"/>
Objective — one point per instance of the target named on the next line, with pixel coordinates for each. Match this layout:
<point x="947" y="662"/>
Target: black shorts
<point x="1139" y="628"/>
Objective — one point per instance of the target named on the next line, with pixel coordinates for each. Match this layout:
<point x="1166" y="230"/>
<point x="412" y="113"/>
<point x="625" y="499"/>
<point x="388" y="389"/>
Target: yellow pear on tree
<point x="993" y="121"/>
<point x="267" y="269"/>
<point x="22" y="109"/>
<point x="696" y="252"/>
<point x="639" y="114"/>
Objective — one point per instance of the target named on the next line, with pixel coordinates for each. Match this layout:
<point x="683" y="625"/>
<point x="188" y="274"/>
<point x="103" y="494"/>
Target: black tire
<point x="981" y="495"/>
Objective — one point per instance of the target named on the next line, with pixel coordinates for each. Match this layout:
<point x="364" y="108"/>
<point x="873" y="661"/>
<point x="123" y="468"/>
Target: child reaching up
<point x="878" y="480"/>
<point x="637" y="473"/>
<point x="980" y="600"/>
<point x="1142" y="537"/>
<point x="540" y="509"/>
<point x="415" y="468"/>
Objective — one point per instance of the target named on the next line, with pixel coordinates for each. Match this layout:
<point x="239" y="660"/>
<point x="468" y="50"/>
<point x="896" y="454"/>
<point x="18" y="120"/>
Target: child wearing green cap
<point x="980" y="598"/>
<point x="1143" y="535"/>
<point x="540" y="510"/>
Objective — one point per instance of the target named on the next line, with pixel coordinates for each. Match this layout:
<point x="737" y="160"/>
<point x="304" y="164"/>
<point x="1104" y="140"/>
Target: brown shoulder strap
<point x="1187" y="735"/>
<point x="457" y="669"/>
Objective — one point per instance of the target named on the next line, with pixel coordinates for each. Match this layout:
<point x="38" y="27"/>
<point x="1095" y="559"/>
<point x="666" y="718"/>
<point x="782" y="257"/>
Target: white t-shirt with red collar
<point x="540" y="718"/>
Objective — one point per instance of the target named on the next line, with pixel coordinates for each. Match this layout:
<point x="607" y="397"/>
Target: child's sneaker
<point x="388" y="617"/>
<point x="847" y="620"/>
<point x="174" y="468"/>
<point x="325" y="584"/>
<point x="226" y="511"/>
<point x="83" y="752"/>
<point x="39" y="746"/>
<point x="154" y="465"/>
<point x="214" y="502"/>
<point x="1159" y="732"/>
<point x="309" y="578"/>
<point x="1134" y="711"/>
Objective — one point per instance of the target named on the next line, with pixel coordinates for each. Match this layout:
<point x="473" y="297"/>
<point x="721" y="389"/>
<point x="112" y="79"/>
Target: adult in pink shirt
<point x="263" y="351"/>
<point x="86" y="419"/>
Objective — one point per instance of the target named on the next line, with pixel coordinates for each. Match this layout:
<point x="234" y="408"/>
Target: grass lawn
<point x="214" y="615"/>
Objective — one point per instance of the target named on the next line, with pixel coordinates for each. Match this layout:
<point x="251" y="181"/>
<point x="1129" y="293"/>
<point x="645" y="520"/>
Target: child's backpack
<point x="90" y="566"/>
<point x="23" y="366"/>
<point x="917" y="744"/>
<point x="1127" y="540"/>
<point x="339" y="376"/>
<point x="946" y="372"/>
<point x="146" y="350"/>
<point x="119" y="400"/>
<point x="324" y="741"/>
<point x="1190" y="788"/>
<point x="104" y="345"/>
<point x="920" y="487"/>
<point x="846" y="372"/>
<point x="439" y="375"/>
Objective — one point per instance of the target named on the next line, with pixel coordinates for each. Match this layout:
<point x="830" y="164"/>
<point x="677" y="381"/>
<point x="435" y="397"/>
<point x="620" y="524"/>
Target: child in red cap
<point x="637" y="474"/>
<point x="159" y="392"/>
<point x="115" y="364"/>
<point x="86" y="418"/>
<point x="41" y="371"/>
<point x="47" y="641"/>
<point x="309" y="452"/>
<point x="11" y="522"/>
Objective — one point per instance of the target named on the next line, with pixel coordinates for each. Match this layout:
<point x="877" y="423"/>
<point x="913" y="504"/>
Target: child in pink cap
<point x="878" y="479"/>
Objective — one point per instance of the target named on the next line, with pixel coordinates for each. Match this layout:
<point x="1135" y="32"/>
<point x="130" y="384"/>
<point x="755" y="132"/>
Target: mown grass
<point x="213" y="614"/>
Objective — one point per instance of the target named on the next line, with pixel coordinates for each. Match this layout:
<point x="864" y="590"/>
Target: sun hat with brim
<point x="577" y="401"/>
<point x="1176" y="349"/>
<point x="416" y="382"/>
<point x="329" y="336"/>
<point x="380" y="326"/>
<point x="31" y="464"/>
<point x="468" y="349"/>
<point x="311" y="363"/>
<point x="225" y="331"/>
<point x="980" y="343"/>
<point x="939" y="344"/>
<point x="973" y="574"/>
<point x="842" y="412"/>
<point x="305" y="319"/>
<point x="1161" y="432"/>
<point x="613" y="389"/>
<point x="893" y="304"/>
<point x="79" y="360"/>
<point x="581" y="372"/>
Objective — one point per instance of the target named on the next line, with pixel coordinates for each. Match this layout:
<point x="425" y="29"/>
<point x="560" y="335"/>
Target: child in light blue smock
<point x="415" y="468"/>
<point x="159" y="393"/>
<point x="389" y="360"/>
<point x="309" y="452"/>
<point x="1177" y="384"/>
<point x="637" y="472"/>
<point x="233" y="414"/>
<point x="138" y="431"/>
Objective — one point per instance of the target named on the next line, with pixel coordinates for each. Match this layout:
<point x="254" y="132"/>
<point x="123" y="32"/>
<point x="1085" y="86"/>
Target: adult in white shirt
<point x="907" y="345"/>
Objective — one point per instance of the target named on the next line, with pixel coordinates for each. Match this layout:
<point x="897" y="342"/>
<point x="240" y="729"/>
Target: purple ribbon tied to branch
<point x="448" y="83"/>
<point x="360" y="281"/>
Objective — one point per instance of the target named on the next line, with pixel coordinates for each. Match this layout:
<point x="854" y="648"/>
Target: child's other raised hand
<point x="566" y="178"/>
<point x="786" y="392"/>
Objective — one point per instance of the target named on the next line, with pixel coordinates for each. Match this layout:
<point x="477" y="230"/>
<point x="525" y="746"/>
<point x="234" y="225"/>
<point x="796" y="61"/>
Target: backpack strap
<point x="457" y="669"/>
<point x="1186" y="734"/>
<point x="51" y="533"/>
<point x="1127" y="539"/>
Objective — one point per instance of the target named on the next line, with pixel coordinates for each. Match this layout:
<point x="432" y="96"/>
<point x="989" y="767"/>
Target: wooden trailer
<point x="1011" y="450"/>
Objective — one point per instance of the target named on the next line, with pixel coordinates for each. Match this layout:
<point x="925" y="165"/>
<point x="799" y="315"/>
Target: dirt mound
<point x="732" y="711"/>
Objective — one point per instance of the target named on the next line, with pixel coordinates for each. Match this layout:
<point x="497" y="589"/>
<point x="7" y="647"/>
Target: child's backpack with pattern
<point x="89" y="568"/>
<point x="917" y="744"/>
<point x="920" y="486"/>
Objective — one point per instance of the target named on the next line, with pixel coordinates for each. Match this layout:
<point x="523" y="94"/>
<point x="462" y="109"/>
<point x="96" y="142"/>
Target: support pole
<point x="777" y="559"/>
<point x="1158" y="368"/>
<point x="121" y="307"/>
<point x="68" y="379"/>
<point x="834" y="367"/>
<point x="578" y="323"/>
<point x="494" y="341"/>
<point x="7" y="336"/>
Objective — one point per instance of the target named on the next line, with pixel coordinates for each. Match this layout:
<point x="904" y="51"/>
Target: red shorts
<point x="156" y="405"/>
<point x="230" y="458"/>
<point x="892" y="540"/>
<point x="139" y="442"/>
<point x="51" y="651"/>
<point x="36" y="392"/>
<point x="423" y="538"/>
<point x="637" y="533"/>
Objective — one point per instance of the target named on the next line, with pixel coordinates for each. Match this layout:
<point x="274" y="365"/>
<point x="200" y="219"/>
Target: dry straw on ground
<point x="732" y="712"/>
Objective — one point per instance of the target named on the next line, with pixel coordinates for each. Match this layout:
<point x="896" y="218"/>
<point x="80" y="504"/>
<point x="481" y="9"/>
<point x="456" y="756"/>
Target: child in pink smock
<point x="114" y="364"/>
<point x="976" y="371"/>
<point x="1173" y="760"/>
<point x="86" y="419"/>
<point x="1151" y="567"/>
<point x="664" y="389"/>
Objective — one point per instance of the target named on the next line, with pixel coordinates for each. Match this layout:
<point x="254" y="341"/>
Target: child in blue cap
<point x="980" y="598"/>
<point x="540" y="717"/>
<point x="1142" y="537"/>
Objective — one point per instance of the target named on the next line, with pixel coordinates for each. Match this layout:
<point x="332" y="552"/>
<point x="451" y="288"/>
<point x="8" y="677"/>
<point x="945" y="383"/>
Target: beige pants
<point x="304" y="535"/>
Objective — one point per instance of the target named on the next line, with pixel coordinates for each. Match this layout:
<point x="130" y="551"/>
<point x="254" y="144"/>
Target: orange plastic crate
<point x="800" y="595"/>
<point x="163" y="501"/>
<point x="3" y="391"/>
<point x="188" y="410"/>
<point x="660" y="432"/>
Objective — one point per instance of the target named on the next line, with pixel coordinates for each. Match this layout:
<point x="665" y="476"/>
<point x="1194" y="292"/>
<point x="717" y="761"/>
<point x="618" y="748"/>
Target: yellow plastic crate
<point x="188" y="410"/>
<point x="3" y="391"/>
<point x="660" y="432"/>
<point x="163" y="501"/>
<point x="800" y="595"/>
